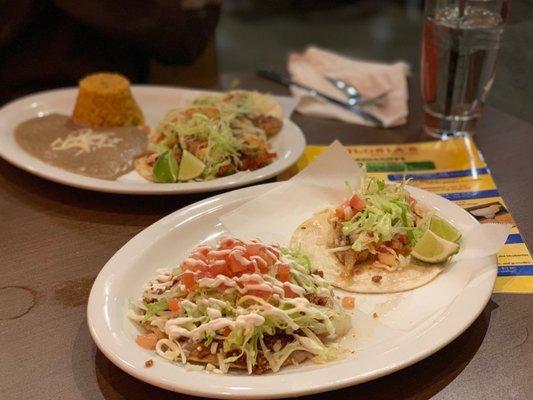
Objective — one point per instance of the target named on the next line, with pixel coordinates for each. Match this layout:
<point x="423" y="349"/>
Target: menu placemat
<point x="455" y="169"/>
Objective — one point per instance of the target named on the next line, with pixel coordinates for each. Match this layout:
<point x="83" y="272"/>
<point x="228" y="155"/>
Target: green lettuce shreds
<point x="387" y="213"/>
<point x="222" y="145"/>
<point x="251" y="304"/>
<point x="155" y="308"/>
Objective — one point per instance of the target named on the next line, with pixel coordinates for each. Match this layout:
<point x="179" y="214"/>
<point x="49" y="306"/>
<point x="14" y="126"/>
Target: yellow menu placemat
<point x="455" y="169"/>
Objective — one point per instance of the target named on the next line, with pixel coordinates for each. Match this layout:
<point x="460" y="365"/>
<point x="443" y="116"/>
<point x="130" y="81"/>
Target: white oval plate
<point x="395" y="340"/>
<point x="155" y="101"/>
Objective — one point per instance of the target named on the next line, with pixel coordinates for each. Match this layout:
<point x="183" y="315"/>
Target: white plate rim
<point x="94" y="315"/>
<point x="291" y="134"/>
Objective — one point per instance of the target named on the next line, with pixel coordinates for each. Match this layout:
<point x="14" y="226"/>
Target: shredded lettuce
<point x="218" y="142"/>
<point x="155" y="308"/>
<point x="241" y="102"/>
<point x="297" y="317"/>
<point x="387" y="213"/>
<point x="298" y="257"/>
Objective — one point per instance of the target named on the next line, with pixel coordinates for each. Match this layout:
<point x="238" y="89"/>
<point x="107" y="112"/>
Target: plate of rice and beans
<point x="106" y="135"/>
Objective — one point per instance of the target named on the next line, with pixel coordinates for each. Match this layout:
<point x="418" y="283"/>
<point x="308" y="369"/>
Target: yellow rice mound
<point x="105" y="100"/>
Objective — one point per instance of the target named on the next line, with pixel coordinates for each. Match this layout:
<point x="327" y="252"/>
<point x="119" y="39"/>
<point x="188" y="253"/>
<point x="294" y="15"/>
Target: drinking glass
<point x="460" y="46"/>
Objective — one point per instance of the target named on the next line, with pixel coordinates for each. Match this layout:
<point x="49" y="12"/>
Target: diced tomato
<point x="203" y="250"/>
<point x="199" y="256"/>
<point x="284" y="273"/>
<point x="259" y="293"/>
<point x="204" y="271"/>
<point x="348" y="213"/>
<point x="250" y="269"/>
<point x="222" y="287"/>
<point x="220" y="269"/>
<point x="235" y="266"/>
<point x="229" y="243"/>
<point x="275" y="250"/>
<point x="396" y="244"/>
<point x="244" y="269"/>
<point x="217" y="256"/>
<point x="187" y="266"/>
<point x="262" y="266"/>
<point x="403" y="238"/>
<point x="348" y="303"/>
<point x="174" y="304"/>
<point x="147" y="341"/>
<point x="189" y="280"/>
<point x="339" y="212"/>
<point x="253" y="249"/>
<point x="226" y="331"/>
<point x="265" y="294"/>
<point x="224" y="245"/>
<point x="289" y="293"/>
<point x="357" y="203"/>
<point x="269" y="259"/>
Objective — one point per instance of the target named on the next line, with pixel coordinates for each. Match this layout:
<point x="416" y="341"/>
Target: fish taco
<point x="202" y="143"/>
<point x="261" y="109"/>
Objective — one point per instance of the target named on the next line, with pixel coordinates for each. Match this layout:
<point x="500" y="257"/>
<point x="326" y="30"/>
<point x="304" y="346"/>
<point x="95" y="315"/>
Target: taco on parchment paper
<point x="379" y="240"/>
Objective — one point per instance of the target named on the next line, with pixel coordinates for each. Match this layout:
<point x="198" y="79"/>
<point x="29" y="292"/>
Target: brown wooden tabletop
<point x="54" y="240"/>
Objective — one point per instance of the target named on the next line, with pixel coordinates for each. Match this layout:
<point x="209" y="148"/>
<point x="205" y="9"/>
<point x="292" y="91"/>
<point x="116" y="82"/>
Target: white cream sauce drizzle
<point x="243" y="317"/>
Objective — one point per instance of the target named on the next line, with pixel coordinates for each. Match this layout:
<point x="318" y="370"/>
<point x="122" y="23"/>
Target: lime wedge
<point x="433" y="249"/>
<point x="444" y="229"/>
<point x="166" y="168"/>
<point x="190" y="167"/>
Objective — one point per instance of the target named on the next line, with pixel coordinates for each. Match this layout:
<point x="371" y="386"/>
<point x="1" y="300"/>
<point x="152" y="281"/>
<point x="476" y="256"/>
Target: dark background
<point x="52" y="43"/>
<point x="251" y="33"/>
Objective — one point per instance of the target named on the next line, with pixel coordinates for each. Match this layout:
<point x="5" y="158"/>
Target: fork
<point x="287" y="81"/>
<point x="354" y="96"/>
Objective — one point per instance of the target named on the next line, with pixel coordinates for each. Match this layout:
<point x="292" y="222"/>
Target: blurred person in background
<point x="52" y="43"/>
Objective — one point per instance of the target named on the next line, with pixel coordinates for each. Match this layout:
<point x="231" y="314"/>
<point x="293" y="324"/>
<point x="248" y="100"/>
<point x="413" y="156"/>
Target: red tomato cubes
<point x="147" y="341"/>
<point x="348" y="303"/>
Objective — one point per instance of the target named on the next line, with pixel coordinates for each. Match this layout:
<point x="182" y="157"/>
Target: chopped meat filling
<point x="319" y="301"/>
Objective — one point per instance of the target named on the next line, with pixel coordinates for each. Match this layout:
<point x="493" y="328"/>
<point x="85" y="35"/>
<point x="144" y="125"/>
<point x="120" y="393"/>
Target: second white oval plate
<point x="410" y="326"/>
<point x="155" y="101"/>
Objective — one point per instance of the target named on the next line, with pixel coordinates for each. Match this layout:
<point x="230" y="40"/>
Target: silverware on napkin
<point x="287" y="81"/>
<point x="354" y="96"/>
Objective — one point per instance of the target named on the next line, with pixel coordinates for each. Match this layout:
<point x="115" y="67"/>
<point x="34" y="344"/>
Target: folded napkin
<point x="371" y="79"/>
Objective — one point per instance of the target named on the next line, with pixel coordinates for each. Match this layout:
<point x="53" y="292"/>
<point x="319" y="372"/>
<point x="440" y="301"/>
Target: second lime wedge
<point x="190" y="167"/>
<point x="444" y="229"/>
<point x="433" y="249"/>
<point x="166" y="168"/>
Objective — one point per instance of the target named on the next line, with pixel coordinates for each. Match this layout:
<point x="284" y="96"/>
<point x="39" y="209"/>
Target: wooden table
<point x="54" y="240"/>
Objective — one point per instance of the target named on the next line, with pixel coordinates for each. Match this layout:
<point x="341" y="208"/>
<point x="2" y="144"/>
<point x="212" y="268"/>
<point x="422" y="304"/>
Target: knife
<point x="287" y="81"/>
